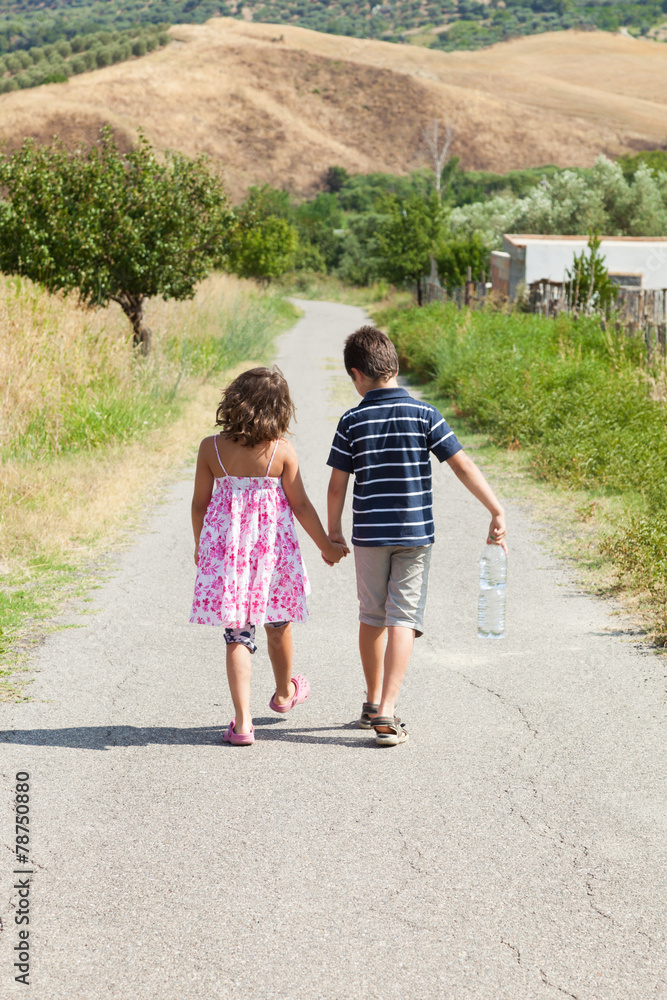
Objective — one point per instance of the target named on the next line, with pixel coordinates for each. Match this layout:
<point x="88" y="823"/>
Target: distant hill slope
<point x="280" y="105"/>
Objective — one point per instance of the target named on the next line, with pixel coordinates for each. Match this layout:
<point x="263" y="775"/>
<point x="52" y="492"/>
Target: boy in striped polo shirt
<point x="385" y="442"/>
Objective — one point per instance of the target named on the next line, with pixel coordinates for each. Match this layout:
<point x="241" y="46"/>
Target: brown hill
<point x="281" y="104"/>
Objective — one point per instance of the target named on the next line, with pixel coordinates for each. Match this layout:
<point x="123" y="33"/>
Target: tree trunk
<point x="133" y="307"/>
<point x="419" y="291"/>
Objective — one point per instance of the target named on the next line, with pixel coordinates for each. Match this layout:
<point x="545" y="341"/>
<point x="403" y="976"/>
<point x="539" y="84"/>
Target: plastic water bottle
<point x="491" y="606"/>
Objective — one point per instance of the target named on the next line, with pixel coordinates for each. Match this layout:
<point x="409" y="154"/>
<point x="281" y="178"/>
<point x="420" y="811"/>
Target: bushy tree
<point x="407" y="237"/>
<point x="455" y="256"/>
<point x="112" y="226"/>
<point x="335" y="178"/>
<point x="308" y="257"/>
<point x="263" y="245"/>
<point x="359" y="264"/>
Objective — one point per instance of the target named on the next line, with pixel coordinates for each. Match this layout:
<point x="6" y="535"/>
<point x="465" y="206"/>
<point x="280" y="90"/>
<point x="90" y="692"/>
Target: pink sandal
<point x="238" y="739"/>
<point x="301" y="692"/>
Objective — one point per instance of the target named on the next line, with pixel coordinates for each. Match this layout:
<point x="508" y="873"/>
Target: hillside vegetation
<point x="460" y="24"/>
<point x="444" y="24"/>
<point x="280" y="108"/>
<point x="55" y="62"/>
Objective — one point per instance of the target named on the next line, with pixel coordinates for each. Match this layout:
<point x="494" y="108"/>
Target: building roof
<point x="520" y="239"/>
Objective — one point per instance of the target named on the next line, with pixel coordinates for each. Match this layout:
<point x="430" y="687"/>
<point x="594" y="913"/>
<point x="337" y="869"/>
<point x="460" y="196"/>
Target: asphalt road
<point x="514" y="849"/>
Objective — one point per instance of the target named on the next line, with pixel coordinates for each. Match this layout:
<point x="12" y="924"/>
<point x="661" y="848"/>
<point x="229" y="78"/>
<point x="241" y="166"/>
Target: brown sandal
<point x="367" y="710"/>
<point x="398" y="732"/>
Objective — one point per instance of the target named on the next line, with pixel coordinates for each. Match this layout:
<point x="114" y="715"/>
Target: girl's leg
<point x="371" y="649"/>
<point x="279" y="642"/>
<point x="238" y="675"/>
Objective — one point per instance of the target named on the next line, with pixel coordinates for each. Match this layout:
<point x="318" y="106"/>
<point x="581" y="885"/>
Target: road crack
<point x="501" y="698"/>
<point x="513" y="948"/>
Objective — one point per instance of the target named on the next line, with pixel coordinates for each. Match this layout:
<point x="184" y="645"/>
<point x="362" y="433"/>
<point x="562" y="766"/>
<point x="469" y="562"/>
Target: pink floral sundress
<point x="250" y="567"/>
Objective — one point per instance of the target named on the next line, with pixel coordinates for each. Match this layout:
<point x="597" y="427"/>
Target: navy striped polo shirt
<point x="385" y="441"/>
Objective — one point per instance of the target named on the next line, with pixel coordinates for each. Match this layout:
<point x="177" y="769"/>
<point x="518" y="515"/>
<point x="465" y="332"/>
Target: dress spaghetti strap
<point x="215" y="442"/>
<point x="273" y="453"/>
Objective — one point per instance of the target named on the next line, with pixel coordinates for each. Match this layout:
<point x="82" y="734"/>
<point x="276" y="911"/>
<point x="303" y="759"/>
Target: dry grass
<point x="64" y="497"/>
<point x="56" y="501"/>
<point x="281" y="106"/>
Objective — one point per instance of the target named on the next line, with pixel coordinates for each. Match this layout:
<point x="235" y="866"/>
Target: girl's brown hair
<point x="256" y="407"/>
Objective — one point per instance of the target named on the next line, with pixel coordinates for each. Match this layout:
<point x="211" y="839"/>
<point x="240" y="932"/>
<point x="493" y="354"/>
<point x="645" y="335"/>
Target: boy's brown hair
<point x="371" y="352"/>
<point x="256" y="407"/>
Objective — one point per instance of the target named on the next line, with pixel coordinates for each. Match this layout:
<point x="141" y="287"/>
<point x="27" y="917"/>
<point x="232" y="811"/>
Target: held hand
<point x="497" y="532"/>
<point x="334" y="552"/>
<point x="338" y="536"/>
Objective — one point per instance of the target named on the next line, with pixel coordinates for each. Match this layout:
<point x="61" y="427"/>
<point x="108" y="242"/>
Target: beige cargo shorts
<point x="392" y="581"/>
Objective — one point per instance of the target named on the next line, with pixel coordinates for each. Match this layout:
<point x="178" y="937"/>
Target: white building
<point x="636" y="261"/>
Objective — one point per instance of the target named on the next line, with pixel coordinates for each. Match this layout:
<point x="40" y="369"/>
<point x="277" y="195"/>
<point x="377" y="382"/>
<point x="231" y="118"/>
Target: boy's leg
<point x="279" y="642"/>
<point x="372" y="642"/>
<point x="396" y="660"/>
<point x="372" y="564"/>
<point x="406" y="600"/>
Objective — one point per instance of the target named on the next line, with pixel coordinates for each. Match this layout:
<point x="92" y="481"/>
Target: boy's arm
<point x="335" y="503"/>
<point x="304" y="511"/>
<point x="471" y="477"/>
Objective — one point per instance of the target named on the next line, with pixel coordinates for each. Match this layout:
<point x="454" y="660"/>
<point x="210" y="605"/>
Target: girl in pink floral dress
<point x="249" y="566"/>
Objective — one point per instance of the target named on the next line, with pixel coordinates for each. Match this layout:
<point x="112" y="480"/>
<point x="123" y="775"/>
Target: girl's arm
<point x="204" y="480"/>
<point x="474" y="480"/>
<point x="303" y="509"/>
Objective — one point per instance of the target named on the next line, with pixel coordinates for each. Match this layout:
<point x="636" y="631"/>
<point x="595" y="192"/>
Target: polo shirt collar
<point x="374" y="395"/>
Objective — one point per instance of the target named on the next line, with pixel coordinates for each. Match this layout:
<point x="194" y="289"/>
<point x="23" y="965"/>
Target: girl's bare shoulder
<point x="209" y="442"/>
<point x="207" y="445"/>
<point x="209" y="450"/>
<point x="285" y="447"/>
<point x="286" y="450"/>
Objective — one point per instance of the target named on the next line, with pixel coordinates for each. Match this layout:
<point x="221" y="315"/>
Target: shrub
<point x="578" y="397"/>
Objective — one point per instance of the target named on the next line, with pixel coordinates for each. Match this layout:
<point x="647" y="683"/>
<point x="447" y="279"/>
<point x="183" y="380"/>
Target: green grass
<point x="32" y="595"/>
<point x="577" y="400"/>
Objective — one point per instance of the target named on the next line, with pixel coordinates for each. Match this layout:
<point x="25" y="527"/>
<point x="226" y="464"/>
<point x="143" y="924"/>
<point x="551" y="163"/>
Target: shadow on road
<point x="106" y="737"/>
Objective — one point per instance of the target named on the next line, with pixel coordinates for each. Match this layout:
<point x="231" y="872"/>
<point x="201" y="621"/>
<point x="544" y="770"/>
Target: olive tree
<point x="112" y="226"/>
